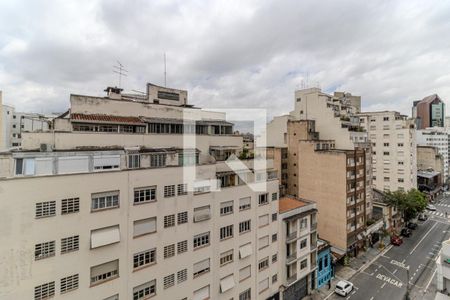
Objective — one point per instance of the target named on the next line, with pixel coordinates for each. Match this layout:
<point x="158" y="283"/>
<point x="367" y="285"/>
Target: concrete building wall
<point x="2" y="125"/>
<point x="327" y="186"/>
<point x="436" y="137"/>
<point x="429" y="157"/>
<point x="277" y="131"/>
<point x="393" y="140"/>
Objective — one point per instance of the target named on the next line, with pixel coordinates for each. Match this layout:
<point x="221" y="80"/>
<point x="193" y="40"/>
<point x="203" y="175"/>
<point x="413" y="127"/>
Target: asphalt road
<point x="386" y="277"/>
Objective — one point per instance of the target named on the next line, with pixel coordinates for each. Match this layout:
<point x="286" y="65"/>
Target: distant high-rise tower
<point x="429" y="112"/>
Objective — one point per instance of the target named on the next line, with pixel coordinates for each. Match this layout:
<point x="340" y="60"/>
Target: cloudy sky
<point x="239" y="54"/>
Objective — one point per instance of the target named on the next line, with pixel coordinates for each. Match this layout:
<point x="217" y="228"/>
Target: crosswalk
<point x="437" y="213"/>
<point x="444" y="205"/>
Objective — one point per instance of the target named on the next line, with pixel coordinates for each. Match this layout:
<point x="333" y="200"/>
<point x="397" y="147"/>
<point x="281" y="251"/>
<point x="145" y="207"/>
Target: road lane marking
<point x="383" y="285"/>
<point x="399" y="264"/>
<point x="431" y="278"/>
<point x="424" y="236"/>
<point x="395" y="271"/>
<point x="371" y="298"/>
<point x="389" y="280"/>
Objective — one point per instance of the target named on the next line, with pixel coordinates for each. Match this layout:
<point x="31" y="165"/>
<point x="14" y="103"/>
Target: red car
<point x="396" y="240"/>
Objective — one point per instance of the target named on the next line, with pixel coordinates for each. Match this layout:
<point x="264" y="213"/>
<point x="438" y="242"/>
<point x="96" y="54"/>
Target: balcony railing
<point x="291" y="236"/>
<point x="292" y="279"/>
<point x="313" y="245"/>
<point x="313" y="226"/>
<point x="291" y="257"/>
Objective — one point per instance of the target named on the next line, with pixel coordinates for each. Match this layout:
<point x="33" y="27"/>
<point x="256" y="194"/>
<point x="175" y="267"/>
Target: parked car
<point x="412" y="225"/>
<point x="423" y="217"/>
<point x="343" y="288"/>
<point x="396" y="240"/>
<point x="431" y="207"/>
<point x="406" y="232"/>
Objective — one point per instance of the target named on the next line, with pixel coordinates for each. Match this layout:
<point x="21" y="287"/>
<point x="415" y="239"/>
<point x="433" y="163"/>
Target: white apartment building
<point x="299" y="250"/>
<point x="437" y="137"/>
<point x="14" y="124"/>
<point x="393" y="138"/>
<point x="443" y="271"/>
<point x="129" y="198"/>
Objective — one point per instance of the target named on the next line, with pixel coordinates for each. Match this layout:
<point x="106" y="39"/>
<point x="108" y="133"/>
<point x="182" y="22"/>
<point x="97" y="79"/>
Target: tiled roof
<point x="288" y="203"/>
<point x="106" y="118"/>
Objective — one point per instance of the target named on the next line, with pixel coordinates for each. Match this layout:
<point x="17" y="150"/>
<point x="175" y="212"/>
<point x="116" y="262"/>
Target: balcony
<point x="313" y="226"/>
<point x="291" y="236"/>
<point x="291" y="258"/>
<point x="292" y="279"/>
<point x="313" y="246"/>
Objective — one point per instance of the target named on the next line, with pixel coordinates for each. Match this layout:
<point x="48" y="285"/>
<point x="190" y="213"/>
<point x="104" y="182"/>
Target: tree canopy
<point x="409" y="203"/>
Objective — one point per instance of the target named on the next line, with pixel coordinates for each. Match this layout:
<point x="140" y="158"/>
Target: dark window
<point x="168" y="96"/>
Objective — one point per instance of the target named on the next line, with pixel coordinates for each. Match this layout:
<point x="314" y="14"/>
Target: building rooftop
<point x="106" y="118"/>
<point x="288" y="203"/>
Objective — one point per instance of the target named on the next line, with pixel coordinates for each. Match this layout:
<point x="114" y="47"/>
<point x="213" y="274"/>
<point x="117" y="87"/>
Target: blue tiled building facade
<point x="324" y="266"/>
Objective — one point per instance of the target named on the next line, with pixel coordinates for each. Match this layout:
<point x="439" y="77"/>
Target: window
<point x="274" y="278"/>
<point x="182" y="217"/>
<point x="157" y="160"/>
<point x="303" y="223"/>
<point x="386" y="153"/>
<point x="400" y="144"/>
<point x="401" y="163"/>
<point x="169" y="221"/>
<point x="201" y="240"/>
<point x="69" y="244"/>
<point x="169" y="191"/>
<point x="245" y="295"/>
<point x="274" y="196"/>
<point x="144" y="258"/>
<point x="144" y="226"/>
<point x="169" y="281"/>
<point x="303" y="264"/>
<point x="226" y="232"/>
<point x="385" y="118"/>
<point x="105" y="236"/>
<point x="106" y="162"/>
<point x="181" y="276"/>
<point x="227" y="283"/>
<point x="202" y="294"/>
<point x="274" y="217"/>
<point x="182" y="189"/>
<point x="263" y="220"/>
<point x="245" y="250"/>
<point x="169" y="251"/>
<point x="263" y="242"/>
<point x="69" y="206"/>
<point x="226" y="208"/>
<point x="386" y="144"/>
<point x="69" y="283"/>
<point x="201" y="267"/>
<point x="105" y="200"/>
<point x="262" y="199"/>
<point x="144" y="195"/>
<point x="263" y="285"/>
<point x="144" y="291"/>
<point x="245" y="273"/>
<point x="104" y="272"/>
<point x="245" y="203"/>
<point x="202" y="213"/>
<point x="19" y="166"/>
<point x="401" y="180"/>
<point x="134" y="161"/>
<point x="275" y="258"/>
<point x="182" y="247"/>
<point x="274" y="237"/>
<point x="113" y="297"/>
<point x="263" y="264"/>
<point x="245" y="226"/>
<point x="44" y="291"/>
<point x="45" y="209"/>
<point x="226" y="257"/>
<point x="303" y="243"/>
<point x="44" y="250"/>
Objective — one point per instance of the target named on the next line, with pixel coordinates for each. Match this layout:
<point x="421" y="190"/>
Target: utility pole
<point x="407" y="284"/>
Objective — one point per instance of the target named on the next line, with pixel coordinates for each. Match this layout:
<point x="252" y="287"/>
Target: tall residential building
<point x="298" y="250"/>
<point x="436" y="137"/>
<point x="393" y="138"/>
<point x="128" y="198"/>
<point x="328" y="161"/>
<point x="429" y="112"/>
<point x="14" y="124"/>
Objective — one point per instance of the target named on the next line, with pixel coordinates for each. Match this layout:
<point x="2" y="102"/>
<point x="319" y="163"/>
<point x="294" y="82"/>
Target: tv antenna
<point x="165" y="70"/>
<point x="119" y="69"/>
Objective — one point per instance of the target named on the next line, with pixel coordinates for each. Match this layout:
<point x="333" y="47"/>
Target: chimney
<point x="113" y="92"/>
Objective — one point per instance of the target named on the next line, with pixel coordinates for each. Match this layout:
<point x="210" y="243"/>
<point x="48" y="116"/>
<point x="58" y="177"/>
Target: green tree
<point x="409" y="204"/>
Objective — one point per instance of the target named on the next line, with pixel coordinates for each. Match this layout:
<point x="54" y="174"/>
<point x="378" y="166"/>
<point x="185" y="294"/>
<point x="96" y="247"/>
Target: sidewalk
<point x="355" y="265"/>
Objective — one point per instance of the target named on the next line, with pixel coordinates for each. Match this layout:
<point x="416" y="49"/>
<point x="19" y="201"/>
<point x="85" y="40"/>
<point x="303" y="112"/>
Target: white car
<point x="343" y="288"/>
<point x="431" y="207"/>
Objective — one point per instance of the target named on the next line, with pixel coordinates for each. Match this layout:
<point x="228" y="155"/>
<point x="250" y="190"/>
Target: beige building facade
<point x="428" y="157"/>
<point x="128" y="198"/>
<point x="393" y="139"/>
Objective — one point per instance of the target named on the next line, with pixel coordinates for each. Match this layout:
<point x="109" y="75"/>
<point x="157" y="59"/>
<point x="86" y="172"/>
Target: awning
<point x="226" y="283"/>
<point x="245" y="251"/>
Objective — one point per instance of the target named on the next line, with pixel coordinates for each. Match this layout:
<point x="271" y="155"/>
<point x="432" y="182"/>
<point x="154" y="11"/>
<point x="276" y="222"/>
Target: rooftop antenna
<point x="165" y="70"/>
<point x="119" y="69"/>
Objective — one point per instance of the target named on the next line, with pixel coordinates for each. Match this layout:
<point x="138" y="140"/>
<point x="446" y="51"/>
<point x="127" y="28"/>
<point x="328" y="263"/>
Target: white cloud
<point x="226" y="53"/>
